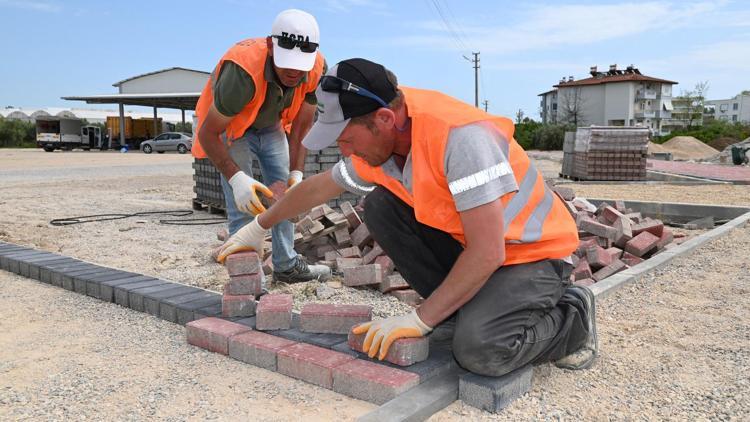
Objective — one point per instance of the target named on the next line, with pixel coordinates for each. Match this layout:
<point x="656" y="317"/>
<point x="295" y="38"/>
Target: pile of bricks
<point x="612" y="238"/>
<point x="342" y="241"/>
<point x="606" y="153"/>
<point x="244" y="285"/>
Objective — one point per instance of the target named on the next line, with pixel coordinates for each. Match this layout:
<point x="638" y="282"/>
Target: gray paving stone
<point x="26" y="266"/>
<point x="318" y="339"/>
<point x="12" y="261"/>
<point x="35" y="268"/>
<point x="493" y="394"/>
<point x="107" y="288"/>
<point x="208" y="311"/>
<point x="45" y="276"/>
<point x="80" y="282"/>
<point x="439" y="361"/>
<point x="57" y="274"/>
<point x="68" y="279"/>
<point x="93" y="283"/>
<point x="122" y="291"/>
<point x="152" y="302"/>
<point x="186" y="311"/>
<point x="169" y="306"/>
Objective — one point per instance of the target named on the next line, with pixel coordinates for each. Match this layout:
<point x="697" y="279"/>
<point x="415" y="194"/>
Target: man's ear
<point x="269" y="44"/>
<point x="385" y="117"/>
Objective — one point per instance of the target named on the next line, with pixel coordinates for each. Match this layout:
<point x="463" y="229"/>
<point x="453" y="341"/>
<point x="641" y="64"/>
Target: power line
<point x="451" y="31"/>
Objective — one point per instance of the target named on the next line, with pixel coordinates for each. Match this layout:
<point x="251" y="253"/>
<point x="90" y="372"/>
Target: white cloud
<point x="39" y="6"/>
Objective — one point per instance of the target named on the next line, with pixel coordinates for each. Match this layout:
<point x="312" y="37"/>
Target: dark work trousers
<point x="521" y="315"/>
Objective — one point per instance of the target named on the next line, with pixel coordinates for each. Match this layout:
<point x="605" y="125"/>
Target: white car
<point x="168" y="141"/>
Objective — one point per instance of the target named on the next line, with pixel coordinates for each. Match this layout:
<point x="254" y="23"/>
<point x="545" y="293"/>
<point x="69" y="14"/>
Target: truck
<point x="66" y="133"/>
<point x="136" y="130"/>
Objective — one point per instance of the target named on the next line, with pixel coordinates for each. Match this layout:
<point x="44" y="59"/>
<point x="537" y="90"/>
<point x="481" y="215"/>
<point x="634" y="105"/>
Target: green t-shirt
<point x="234" y="88"/>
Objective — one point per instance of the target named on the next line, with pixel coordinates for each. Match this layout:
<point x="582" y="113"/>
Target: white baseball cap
<point x="298" y="30"/>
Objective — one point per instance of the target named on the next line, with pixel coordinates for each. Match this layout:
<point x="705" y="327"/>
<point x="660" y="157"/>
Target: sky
<point x="55" y="48"/>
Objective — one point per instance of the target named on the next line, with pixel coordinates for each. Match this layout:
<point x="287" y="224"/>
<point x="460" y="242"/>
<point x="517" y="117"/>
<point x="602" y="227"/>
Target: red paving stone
<point x="403" y="352"/>
<point x="310" y="363"/>
<point x="256" y="348"/>
<point x="213" y="333"/>
<point x="710" y="171"/>
<point x="333" y="318"/>
<point x="371" y="381"/>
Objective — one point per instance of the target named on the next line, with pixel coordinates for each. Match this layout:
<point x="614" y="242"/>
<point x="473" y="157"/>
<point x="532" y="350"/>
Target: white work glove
<point x="295" y="176"/>
<point x="383" y="332"/>
<point x="248" y="238"/>
<point x="245" y="190"/>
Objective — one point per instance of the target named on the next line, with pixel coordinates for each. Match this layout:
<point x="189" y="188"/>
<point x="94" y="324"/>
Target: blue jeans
<point x="271" y="148"/>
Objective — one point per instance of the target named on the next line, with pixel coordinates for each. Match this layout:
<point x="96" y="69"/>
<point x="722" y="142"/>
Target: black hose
<point x="171" y="213"/>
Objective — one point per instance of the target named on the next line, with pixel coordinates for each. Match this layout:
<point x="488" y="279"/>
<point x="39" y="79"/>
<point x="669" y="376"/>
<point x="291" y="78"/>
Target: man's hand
<point x="245" y="190"/>
<point x="295" y="176"/>
<point x="382" y="333"/>
<point x="248" y="238"/>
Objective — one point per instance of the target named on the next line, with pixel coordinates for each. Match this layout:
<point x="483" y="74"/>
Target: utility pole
<point x="485" y="102"/>
<point x="475" y="61"/>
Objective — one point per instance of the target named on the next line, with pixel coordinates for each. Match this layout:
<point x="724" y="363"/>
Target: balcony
<point x="664" y="114"/>
<point x="645" y="94"/>
<point x="645" y="114"/>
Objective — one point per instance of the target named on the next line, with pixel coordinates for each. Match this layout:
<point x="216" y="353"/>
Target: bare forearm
<point x="468" y="275"/>
<point x="218" y="154"/>
<point x="303" y="196"/>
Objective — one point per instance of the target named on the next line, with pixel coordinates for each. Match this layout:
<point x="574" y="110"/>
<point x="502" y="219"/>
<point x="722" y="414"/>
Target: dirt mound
<point x="656" y="148"/>
<point x="689" y="148"/>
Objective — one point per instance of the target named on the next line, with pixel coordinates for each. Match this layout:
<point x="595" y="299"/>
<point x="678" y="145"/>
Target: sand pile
<point x="656" y="148"/>
<point x="688" y="148"/>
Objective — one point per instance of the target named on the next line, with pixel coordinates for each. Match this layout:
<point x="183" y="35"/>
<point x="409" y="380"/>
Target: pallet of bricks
<point x="610" y="153"/>
<point x="568" y="155"/>
<point x="207" y="179"/>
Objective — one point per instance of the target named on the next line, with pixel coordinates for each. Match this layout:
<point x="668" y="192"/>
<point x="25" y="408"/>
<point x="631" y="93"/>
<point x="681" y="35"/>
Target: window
<point x="174" y="136"/>
<point x="735" y="106"/>
<point x="724" y="107"/>
<point x="554" y="106"/>
<point x="734" y="118"/>
<point x="163" y="137"/>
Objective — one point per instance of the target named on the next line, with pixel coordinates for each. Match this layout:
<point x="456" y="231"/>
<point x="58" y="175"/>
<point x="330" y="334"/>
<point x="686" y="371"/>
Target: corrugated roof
<point x="628" y="77"/>
<point x="117" y="84"/>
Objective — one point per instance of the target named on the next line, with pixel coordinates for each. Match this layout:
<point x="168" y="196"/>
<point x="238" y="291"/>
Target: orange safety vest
<point x="251" y="55"/>
<point x="537" y="223"/>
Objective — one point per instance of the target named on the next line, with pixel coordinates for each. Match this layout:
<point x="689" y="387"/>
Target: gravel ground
<point x="658" y="361"/>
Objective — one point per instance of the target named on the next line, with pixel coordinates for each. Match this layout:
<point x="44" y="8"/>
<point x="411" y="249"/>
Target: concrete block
<point x="583" y="244"/>
<point x="12" y="261"/>
<point x="493" y="394"/>
<point x="614" y="252"/>
<point x="137" y="297"/>
<point x="665" y="239"/>
<point x="642" y="244"/>
<point x="362" y="275"/>
<point x="243" y="263"/>
<point x="268" y="265"/>
<point x="615" y="267"/>
<point x="393" y="282"/>
<point x="107" y="288"/>
<point x="186" y="311"/>
<point x="251" y="284"/>
<point x="623" y="231"/>
<point x="375" y="252"/>
<point x="611" y="214"/>
<point x="371" y="382"/>
<point x="403" y="352"/>
<point x="121" y="292"/>
<point x="386" y="265"/>
<point x="80" y="282"/>
<point x="33" y="265"/>
<point x="350" y="252"/>
<point x="333" y="318"/>
<point x="582" y="270"/>
<point x="56" y="274"/>
<point x="23" y="264"/>
<point x="310" y="363"/>
<point x="274" y="312"/>
<point x="584" y="282"/>
<point x="46" y="269"/>
<point x="325" y="340"/>
<point x="257" y="348"/>
<point x="567" y="194"/>
<point x="361" y="236"/>
<point x="213" y="334"/>
<point x="408" y="296"/>
<point x="342" y="237"/>
<point x="168" y="307"/>
<point x="597" y="229"/>
<point x="652" y="226"/>
<point x="351" y="215"/>
<point x="93" y="283"/>
<point x="208" y="311"/>
<point x="237" y="305"/>
<point x="630" y="259"/>
<point x="342" y="263"/>
<point x="152" y="301"/>
<point x="67" y="278"/>
<point x="597" y="257"/>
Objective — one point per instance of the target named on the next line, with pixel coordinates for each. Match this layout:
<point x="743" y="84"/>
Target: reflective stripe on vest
<point x="537" y="224"/>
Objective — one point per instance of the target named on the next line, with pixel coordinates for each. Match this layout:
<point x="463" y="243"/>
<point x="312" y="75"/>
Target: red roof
<point x="628" y="77"/>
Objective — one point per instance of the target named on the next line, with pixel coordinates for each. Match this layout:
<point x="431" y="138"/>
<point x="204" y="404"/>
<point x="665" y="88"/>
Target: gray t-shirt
<point x="476" y="167"/>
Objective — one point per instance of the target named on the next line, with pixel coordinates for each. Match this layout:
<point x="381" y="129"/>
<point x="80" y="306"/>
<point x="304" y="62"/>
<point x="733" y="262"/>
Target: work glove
<point x="382" y="333"/>
<point x="248" y="238"/>
<point x="295" y="176"/>
<point x="245" y="190"/>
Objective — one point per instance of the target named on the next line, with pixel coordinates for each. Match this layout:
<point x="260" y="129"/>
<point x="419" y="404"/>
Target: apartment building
<point x="617" y="97"/>
<point x="736" y="109"/>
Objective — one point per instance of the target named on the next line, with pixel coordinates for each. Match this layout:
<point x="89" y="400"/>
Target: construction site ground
<point x="673" y="345"/>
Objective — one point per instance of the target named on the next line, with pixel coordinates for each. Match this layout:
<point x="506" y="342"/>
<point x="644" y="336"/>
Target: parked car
<point x="168" y="141"/>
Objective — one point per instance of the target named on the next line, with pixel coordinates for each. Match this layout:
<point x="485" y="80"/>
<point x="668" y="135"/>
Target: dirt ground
<point x="673" y="346"/>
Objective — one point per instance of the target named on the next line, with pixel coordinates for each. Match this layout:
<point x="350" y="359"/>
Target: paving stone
<point x="80" y="282"/>
<point x="493" y="394"/>
<point x="596" y="228"/>
<point x="584" y="282"/>
<point x="30" y="268"/>
<point x="582" y="270"/>
<point x="56" y="274"/>
<point x="342" y="237"/>
<point x="333" y="318"/>
<point x="583" y="244"/>
<point x="326" y="340"/>
<point x="35" y="268"/>
<point x="186" y="311"/>
<point x="93" y="282"/>
<point x="208" y="311"/>
<point x="393" y="282"/>
<point x="351" y="215"/>
<point x="611" y="214"/>
<point x="350" y="252"/>
<point x="597" y="257"/>
<point x="371" y="382"/>
<point x="23" y="262"/>
<point x="615" y="267"/>
<point x="342" y="263"/>
<point x="408" y="296"/>
<point x="251" y="284"/>
<point x="152" y="301"/>
<point x="614" y="252"/>
<point x="386" y="265"/>
<point x="652" y="226"/>
<point x="67" y="278"/>
<point x="45" y="270"/>
<point x="665" y="239"/>
<point x="137" y="297"/>
<point x="243" y="263"/>
<point x="237" y="305"/>
<point x="107" y="288"/>
<point x="375" y="252"/>
<point x="361" y="236"/>
<point x="274" y="312"/>
<point x="642" y="244"/>
<point x="403" y="352"/>
<point x="11" y="262"/>
<point x="213" y="334"/>
<point x="623" y="231"/>
<point x="122" y="291"/>
<point x="168" y="307"/>
<point x="567" y="194"/>
<point x="362" y="275"/>
<point x="630" y="259"/>
<point x="257" y="348"/>
<point x="310" y="363"/>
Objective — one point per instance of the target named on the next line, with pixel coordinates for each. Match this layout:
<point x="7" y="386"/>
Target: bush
<point x="712" y="131"/>
<point x="525" y="132"/>
<point x="550" y="137"/>
<point x="17" y="134"/>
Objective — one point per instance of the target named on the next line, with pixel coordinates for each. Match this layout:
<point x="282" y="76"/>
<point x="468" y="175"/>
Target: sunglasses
<point x="288" y="43"/>
<point x="335" y="84"/>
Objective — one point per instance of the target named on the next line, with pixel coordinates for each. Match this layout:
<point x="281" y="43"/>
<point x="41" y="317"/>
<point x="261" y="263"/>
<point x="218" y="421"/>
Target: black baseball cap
<point x="336" y="107"/>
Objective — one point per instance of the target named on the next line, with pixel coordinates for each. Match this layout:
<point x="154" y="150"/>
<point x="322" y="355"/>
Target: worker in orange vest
<point x="260" y="87"/>
<point x="466" y="217"/>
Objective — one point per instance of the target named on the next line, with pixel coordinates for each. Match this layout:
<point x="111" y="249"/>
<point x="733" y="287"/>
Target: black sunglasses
<point x="330" y="83"/>
<point x="288" y="43"/>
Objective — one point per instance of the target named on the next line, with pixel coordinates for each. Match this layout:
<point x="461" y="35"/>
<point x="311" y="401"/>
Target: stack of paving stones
<point x="342" y="241"/>
<point x="207" y="179"/>
<point x="606" y="153"/>
<point x="612" y="238"/>
<point x="244" y="285"/>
